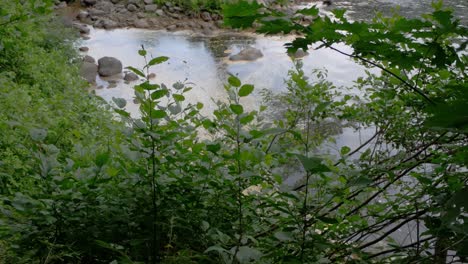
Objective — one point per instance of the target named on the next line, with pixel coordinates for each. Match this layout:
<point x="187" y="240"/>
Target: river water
<point x="203" y="61"/>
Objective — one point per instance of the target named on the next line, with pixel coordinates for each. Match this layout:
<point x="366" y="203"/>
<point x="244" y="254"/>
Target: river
<point x="203" y="61"/>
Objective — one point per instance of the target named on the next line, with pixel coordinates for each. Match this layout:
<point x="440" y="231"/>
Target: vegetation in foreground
<point x="79" y="184"/>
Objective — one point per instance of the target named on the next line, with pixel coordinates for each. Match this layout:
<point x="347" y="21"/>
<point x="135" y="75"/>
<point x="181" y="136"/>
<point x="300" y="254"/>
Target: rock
<point x="89" y="71"/>
<point x="148" y="2"/>
<point x="205" y="16"/>
<point x="89" y="59"/>
<point x="132" y="7"/>
<point x="151" y="8"/>
<point x="152" y="75"/>
<point x="108" y="66"/>
<point x="106" y="23"/>
<point x="160" y="12"/>
<point x="300" y="53"/>
<point x="96" y="12"/>
<point x="104" y="6"/>
<point x="171" y="28"/>
<point x="141" y="23"/>
<point x="61" y="5"/>
<point x="85" y="37"/>
<point x="82" y="15"/>
<point x="115" y="1"/>
<point x="130" y="76"/>
<point x="88" y="2"/>
<point x="248" y="54"/>
<point x="83" y="49"/>
<point x="141" y="15"/>
<point x="135" y="2"/>
<point x="82" y="28"/>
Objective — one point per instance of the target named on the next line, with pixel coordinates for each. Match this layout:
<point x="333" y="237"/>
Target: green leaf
<point x="213" y="148"/>
<point x="234" y="81"/>
<point x="158" y="113"/>
<point x="345" y="150"/>
<point x="102" y="158"/>
<point x="246" y="119"/>
<point x="199" y="106"/>
<point x="158" y="60"/>
<point x="313" y="11"/>
<point x="241" y="14"/>
<point x="312" y="164"/>
<point x="142" y="52"/>
<point x="159" y="94"/>
<point x="178" y="97"/>
<point x="245" y="90"/>
<point x="120" y="102"/>
<point x="237" y="109"/>
<point x="148" y="86"/>
<point x="136" y="71"/>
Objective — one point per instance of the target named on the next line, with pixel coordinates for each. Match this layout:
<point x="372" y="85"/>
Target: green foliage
<point x="82" y="184"/>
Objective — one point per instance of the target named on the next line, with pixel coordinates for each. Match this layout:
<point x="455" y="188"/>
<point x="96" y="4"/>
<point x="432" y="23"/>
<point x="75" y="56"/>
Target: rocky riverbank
<point x="111" y="14"/>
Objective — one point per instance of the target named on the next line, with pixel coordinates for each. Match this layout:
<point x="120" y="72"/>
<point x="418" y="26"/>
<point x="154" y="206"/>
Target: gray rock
<point x="152" y="75"/>
<point x="96" y="12"/>
<point x="300" y="53"/>
<point x="206" y="16"/>
<point x="148" y="2"/>
<point x="104" y="6"/>
<point x="83" y="49"/>
<point x="151" y="8"/>
<point x="89" y="71"/>
<point x="109" y="24"/>
<point x="132" y="7"/>
<point x="159" y="12"/>
<point x="82" y="28"/>
<point x="130" y="77"/>
<point x="89" y="59"/>
<point x="137" y="3"/>
<point x="115" y="1"/>
<point x="171" y="27"/>
<point x="141" y="23"/>
<point x="108" y="66"/>
<point x="61" y="5"/>
<point x="248" y="54"/>
<point x="82" y="15"/>
<point x="141" y="15"/>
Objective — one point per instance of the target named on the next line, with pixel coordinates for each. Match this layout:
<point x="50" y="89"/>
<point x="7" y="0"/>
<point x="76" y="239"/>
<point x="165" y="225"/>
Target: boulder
<point x="206" y="16"/>
<point x="248" y="54"/>
<point x="171" y="28"/>
<point x="89" y="71"/>
<point x="105" y="6"/>
<point x="135" y="2"/>
<point x="83" y="49"/>
<point x="130" y="76"/>
<point x="89" y="59"/>
<point x="108" y="66"/>
<point x="300" y="53"/>
<point x="82" y="15"/>
<point x="141" y="23"/>
<point x="160" y="12"/>
<point x="106" y="23"/>
<point x="151" y="8"/>
<point x="148" y="2"/>
<point x="132" y="7"/>
<point x="82" y="28"/>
